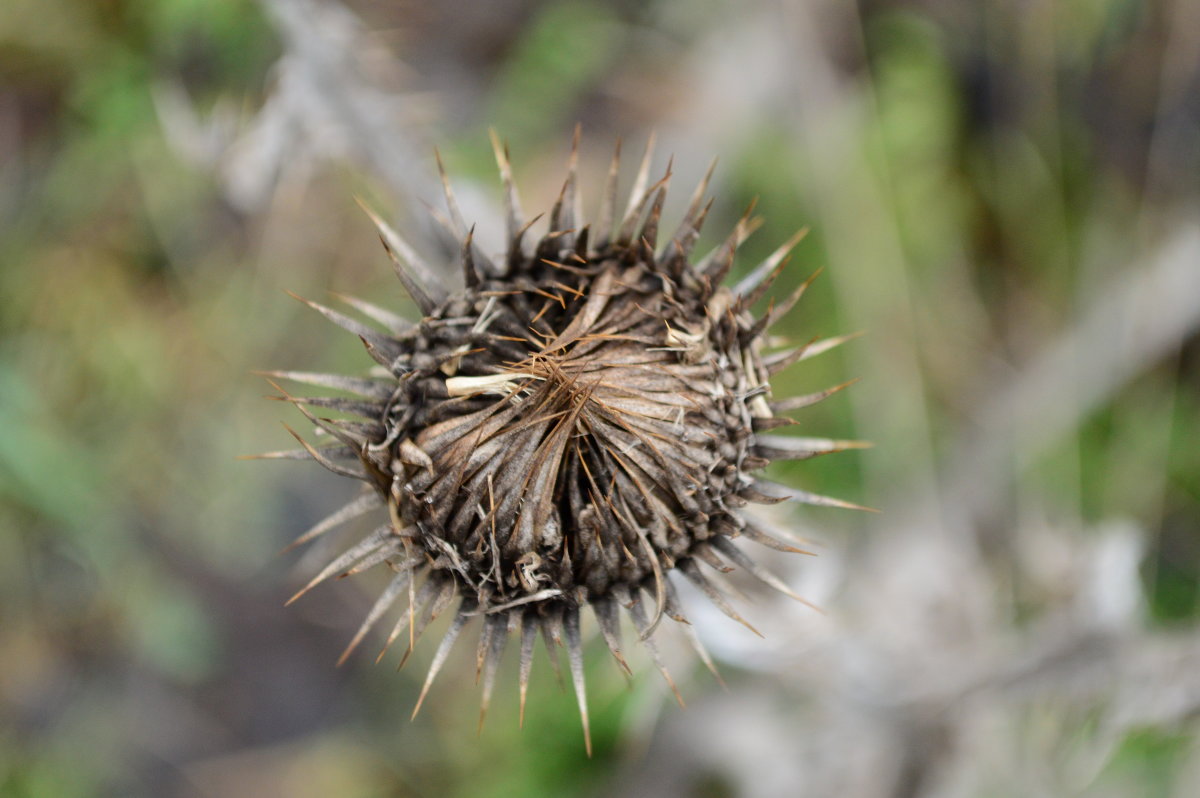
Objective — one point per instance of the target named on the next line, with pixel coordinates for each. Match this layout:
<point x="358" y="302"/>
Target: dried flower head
<point x="582" y="417"/>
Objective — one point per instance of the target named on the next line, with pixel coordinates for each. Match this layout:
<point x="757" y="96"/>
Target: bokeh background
<point x="1004" y="195"/>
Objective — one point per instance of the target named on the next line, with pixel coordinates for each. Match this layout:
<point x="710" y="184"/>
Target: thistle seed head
<point x="577" y="422"/>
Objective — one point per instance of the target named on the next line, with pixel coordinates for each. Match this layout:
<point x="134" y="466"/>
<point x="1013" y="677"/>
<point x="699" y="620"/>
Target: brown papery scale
<point x="580" y="420"/>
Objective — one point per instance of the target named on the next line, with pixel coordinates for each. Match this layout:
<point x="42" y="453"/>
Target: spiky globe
<point x="581" y="418"/>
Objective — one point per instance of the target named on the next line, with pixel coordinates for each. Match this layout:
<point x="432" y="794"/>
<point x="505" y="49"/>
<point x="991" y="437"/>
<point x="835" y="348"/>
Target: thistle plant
<point x="581" y="418"/>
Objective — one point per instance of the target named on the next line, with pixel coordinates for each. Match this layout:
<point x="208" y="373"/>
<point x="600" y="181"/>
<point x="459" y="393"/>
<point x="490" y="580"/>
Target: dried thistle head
<point x="581" y="418"/>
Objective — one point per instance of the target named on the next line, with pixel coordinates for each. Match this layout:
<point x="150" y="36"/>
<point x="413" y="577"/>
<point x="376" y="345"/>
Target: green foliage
<point x="562" y="54"/>
<point x="1146" y="762"/>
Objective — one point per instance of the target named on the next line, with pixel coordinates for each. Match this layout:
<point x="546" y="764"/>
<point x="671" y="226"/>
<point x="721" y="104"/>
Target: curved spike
<point x="693" y="574"/>
<point x="386" y="599"/>
<point x="794" y="494"/>
<point x="798" y="402"/>
<point x="334" y="452"/>
<point x="395" y="324"/>
<point x="629" y="224"/>
<point x="751" y="493"/>
<point x="465" y="611"/>
<point x="752" y="463"/>
<point x="577" y="199"/>
<point x="348" y="558"/>
<point x="689" y="631"/>
<point x="751" y="287"/>
<point x="781" y="310"/>
<point x="736" y="555"/>
<point x="372" y="389"/>
<point x="470" y="274"/>
<point x="360" y="506"/>
<point x="759" y="424"/>
<point x="551" y="624"/>
<point x="609" y="620"/>
<point x="779" y="447"/>
<point x="575" y="658"/>
<point x="416" y="603"/>
<point x="719" y="269"/>
<point x="824" y="345"/>
<point x="429" y="279"/>
<point x="490" y="660"/>
<point x="608" y="200"/>
<point x="638" y="194"/>
<point x="320" y="457"/>
<point x="484" y="643"/>
<point x="344" y="437"/>
<point x="704" y="552"/>
<point x="581" y="243"/>
<point x="515" y="252"/>
<point x="482" y="263"/>
<point x="456" y="218"/>
<point x="368" y="410"/>
<point x="365" y="430"/>
<point x="443" y="222"/>
<point x="421" y="281"/>
<point x="512" y="203"/>
<point x="384" y="343"/>
<point x="746" y="301"/>
<point x="752" y="532"/>
<point x="563" y="215"/>
<point x="718" y="578"/>
<point x="383" y="554"/>
<point x="633" y="604"/>
<point x="686" y="237"/>
<point x="649" y="234"/>
<point x="433" y="609"/>
<point x="817" y="500"/>
<point x="744" y="228"/>
<point x="779" y="361"/>
<point x="756" y="330"/>
<point x="380" y="357"/>
<point x="696" y="207"/>
<point x="529" y="629"/>
<point x="388" y="551"/>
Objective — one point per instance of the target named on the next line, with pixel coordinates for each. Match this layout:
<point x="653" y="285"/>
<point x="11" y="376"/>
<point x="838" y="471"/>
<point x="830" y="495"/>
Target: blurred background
<point x="1005" y="196"/>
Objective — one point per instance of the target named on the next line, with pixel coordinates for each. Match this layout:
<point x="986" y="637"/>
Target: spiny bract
<point x="580" y="418"/>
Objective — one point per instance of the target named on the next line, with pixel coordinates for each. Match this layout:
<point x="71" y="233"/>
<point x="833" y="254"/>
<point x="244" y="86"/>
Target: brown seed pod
<point x="580" y="419"/>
